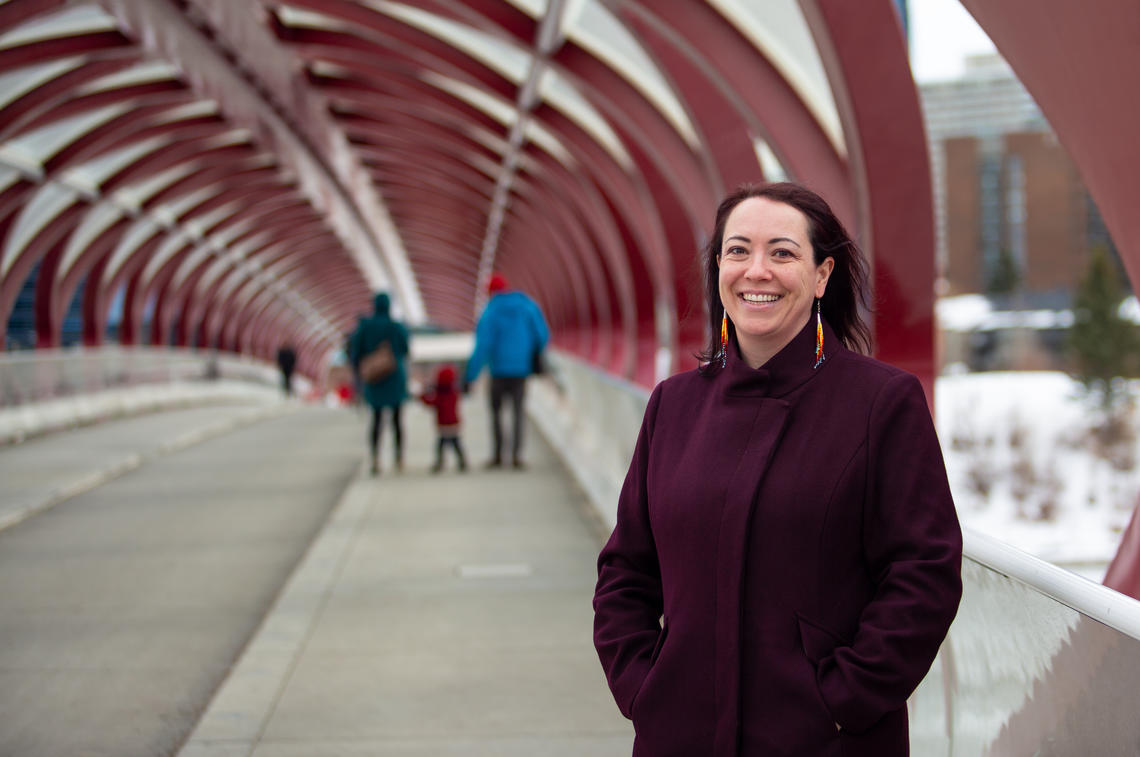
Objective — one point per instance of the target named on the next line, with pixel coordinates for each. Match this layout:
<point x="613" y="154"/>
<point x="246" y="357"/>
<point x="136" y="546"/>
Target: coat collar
<point x="784" y="371"/>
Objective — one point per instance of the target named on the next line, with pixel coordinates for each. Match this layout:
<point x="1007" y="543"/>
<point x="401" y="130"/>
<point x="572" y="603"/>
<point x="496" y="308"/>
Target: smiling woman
<point x="786" y="557"/>
<point x="769" y="277"/>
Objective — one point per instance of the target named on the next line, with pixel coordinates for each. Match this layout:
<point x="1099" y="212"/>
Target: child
<point x="445" y="399"/>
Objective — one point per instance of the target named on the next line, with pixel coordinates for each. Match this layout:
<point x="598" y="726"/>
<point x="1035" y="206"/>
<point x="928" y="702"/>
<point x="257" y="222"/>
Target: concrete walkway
<point x="434" y="615"/>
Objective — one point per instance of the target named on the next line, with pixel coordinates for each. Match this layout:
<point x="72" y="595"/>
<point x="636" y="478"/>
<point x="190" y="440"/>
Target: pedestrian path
<point x="44" y="471"/>
<point x="434" y="615"/>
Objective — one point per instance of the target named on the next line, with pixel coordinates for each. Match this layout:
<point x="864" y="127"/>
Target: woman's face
<point x="767" y="275"/>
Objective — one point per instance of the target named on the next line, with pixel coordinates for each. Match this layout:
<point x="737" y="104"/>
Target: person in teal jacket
<point x="510" y="334"/>
<point x="391" y="391"/>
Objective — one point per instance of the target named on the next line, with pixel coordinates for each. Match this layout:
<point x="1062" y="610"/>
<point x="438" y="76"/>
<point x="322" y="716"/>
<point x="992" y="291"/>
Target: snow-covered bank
<point x="1021" y="466"/>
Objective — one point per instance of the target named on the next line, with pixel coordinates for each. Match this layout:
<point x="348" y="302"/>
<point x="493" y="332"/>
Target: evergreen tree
<point x="1005" y="276"/>
<point x="1102" y="344"/>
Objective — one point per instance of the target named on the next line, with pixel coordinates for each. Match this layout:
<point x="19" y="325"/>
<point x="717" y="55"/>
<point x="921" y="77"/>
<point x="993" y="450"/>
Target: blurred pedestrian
<point x="379" y="340"/>
<point x="509" y="338"/>
<point x="286" y="361"/>
<point x="444" y="397"/>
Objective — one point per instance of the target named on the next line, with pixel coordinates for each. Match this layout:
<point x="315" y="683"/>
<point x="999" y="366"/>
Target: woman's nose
<point x="758" y="268"/>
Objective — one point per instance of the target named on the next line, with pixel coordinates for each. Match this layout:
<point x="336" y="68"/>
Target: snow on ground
<point x="1020" y="466"/>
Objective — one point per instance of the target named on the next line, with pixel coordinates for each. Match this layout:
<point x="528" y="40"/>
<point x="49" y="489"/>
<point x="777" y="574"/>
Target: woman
<point x="391" y="391"/>
<point x="786" y="559"/>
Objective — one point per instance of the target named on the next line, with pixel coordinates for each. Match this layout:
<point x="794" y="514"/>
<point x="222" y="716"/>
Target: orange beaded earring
<point x="723" y="339"/>
<point x="819" y="357"/>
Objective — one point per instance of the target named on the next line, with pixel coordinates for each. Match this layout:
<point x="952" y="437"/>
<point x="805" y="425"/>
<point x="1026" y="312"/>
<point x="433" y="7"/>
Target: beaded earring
<point x="819" y="356"/>
<point x="723" y="339"/>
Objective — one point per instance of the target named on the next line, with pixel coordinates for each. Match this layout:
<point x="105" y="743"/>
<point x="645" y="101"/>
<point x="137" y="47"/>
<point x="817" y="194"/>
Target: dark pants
<point x="374" y="433"/>
<point x="512" y="388"/>
<point x="454" y="443"/>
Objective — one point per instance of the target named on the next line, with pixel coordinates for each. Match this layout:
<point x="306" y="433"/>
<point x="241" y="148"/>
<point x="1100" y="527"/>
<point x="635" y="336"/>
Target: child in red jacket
<point x="444" y="397"/>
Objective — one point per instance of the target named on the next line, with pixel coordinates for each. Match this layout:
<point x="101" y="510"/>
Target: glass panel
<point x="1021" y="673"/>
<point x="172" y="244"/>
<point x="19" y="82"/>
<point x="46" y="141"/>
<point x="8" y="176"/>
<point x="509" y="61"/>
<point x="561" y="94"/>
<point x="141" y="231"/>
<point x="51" y="200"/>
<point x="501" y="112"/>
<point x="149" y="71"/>
<point x="78" y="19"/>
<point x="95" y="222"/>
<point x="777" y="28"/>
<point x="594" y="28"/>
<point x="534" y="8"/>
<point x="135" y="195"/>
<point x="771" y="166"/>
<point x="90" y="175"/>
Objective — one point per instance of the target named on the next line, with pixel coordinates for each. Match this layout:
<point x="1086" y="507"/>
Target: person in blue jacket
<point x="391" y="391"/>
<point x="509" y="339"/>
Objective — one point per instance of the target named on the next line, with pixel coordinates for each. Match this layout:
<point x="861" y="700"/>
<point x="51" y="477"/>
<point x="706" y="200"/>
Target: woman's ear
<point x="823" y="273"/>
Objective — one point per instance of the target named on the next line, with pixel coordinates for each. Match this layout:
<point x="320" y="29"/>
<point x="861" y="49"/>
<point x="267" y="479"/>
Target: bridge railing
<point x="39" y="375"/>
<point x="1039" y="661"/>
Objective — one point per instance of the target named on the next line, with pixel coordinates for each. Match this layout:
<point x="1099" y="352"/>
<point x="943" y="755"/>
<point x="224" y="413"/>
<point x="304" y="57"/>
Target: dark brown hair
<point x="846" y="289"/>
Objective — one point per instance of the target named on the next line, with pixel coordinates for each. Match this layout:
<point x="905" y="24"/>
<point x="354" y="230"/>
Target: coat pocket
<point x="660" y="643"/>
<point x="640" y="695"/>
<point x="817" y="641"/>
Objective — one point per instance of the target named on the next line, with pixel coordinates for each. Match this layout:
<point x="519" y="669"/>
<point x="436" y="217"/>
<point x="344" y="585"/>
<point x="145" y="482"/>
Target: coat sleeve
<point x="628" y="599"/>
<point x="353" y="347"/>
<point x="483" y="336"/>
<point x="912" y="545"/>
<point x="400" y="340"/>
<point x="541" y="330"/>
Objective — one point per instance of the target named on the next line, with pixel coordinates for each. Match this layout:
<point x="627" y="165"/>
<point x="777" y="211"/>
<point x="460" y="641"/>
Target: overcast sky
<point x="942" y="34"/>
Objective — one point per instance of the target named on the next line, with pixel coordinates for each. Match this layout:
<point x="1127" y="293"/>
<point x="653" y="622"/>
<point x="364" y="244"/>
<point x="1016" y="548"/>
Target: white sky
<point x="942" y="34"/>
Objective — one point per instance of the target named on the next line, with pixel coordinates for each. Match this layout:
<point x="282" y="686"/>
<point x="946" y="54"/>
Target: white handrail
<point x="1087" y="597"/>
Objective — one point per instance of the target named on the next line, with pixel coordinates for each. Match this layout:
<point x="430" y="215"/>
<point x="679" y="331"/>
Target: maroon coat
<point x="786" y="558"/>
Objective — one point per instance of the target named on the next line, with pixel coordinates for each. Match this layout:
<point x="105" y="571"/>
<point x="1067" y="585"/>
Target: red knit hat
<point x="497" y="283"/>
<point x="445" y="376"/>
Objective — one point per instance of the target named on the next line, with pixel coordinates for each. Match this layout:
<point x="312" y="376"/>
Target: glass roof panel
<point x="303" y="17"/>
<point x="8" y="176"/>
<point x="41" y="144"/>
<point x="134" y="195"/>
<point x="509" y="61"/>
<point x="771" y="166"/>
<point x="189" y="264"/>
<point x="492" y="105"/>
<point x="533" y="8"/>
<point x="49" y="201"/>
<point x="94" y="172"/>
<point x="76" y="19"/>
<point x="140" y="231"/>
<point x="97" y="220"/>
<point x="501" y="112"/>
<point x="180" y="205"/>
<point x="147" y="71"/>
<point x="778" y="29"/>
<point x="561" y="94"/>
<point x="541" y="136"/>
<point x="197" y="227"/>
<point x="174" y="242"/>
<point x="589" y="24"/>
<point x="19" y="82"/>
<point x="196" y="109"/>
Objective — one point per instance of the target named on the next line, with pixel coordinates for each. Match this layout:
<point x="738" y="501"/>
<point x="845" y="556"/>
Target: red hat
<point x="445" y="376"/>
<point x="497" y="283"/>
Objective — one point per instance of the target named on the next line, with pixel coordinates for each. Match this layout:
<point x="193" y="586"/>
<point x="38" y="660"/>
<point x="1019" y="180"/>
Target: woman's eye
<point x="735" y="252"/>
<point x="782" y="253"/>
